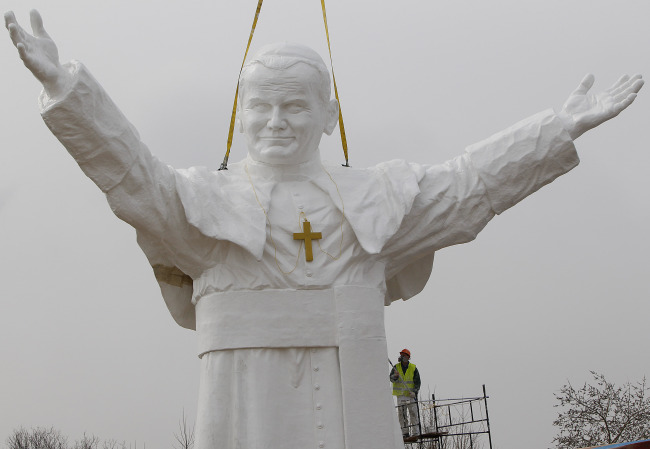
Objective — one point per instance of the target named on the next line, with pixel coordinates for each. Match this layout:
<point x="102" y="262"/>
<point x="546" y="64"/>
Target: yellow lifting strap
<point x="344" y="142"/>
<point x="224" y="164"/>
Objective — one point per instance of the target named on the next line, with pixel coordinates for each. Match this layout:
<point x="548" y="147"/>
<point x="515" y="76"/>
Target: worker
<point x="406" y="384"/>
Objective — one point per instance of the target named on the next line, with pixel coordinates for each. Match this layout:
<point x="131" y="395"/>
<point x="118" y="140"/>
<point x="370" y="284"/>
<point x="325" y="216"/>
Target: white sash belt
<point x="266" y="319"/>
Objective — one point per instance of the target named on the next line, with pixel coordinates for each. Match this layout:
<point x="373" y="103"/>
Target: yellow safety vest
<point x="404" y="384"/>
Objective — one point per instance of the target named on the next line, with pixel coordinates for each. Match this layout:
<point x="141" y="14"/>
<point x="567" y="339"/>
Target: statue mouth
<point x="277" y="140"/>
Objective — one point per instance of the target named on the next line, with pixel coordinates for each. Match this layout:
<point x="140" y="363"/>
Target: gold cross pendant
<point x="307" y="236"/>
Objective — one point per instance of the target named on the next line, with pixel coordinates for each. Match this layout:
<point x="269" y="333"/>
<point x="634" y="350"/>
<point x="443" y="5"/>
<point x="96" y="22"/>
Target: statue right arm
<point x="140" y="189"/>
<point x="107" y="147"/>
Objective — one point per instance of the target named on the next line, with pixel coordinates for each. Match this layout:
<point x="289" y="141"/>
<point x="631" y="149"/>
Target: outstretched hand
<point x="38" y="52"/>
<point x="584" y="110"/>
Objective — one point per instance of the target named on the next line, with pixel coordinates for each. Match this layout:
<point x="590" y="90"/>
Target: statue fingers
<point x="637" y="84"/>
<point x="22" y="52"/>
<point x="23" y="44"/>
<point x="17" y="37"/>
<point x="618" y="85"/>
<point x="10" y="18"/>
<point x="634" y="88"/>
<point x="628" y="94"/>
<point x="16" y="32"/>
<point x="622" y="104"/>
<point x="37" y="24"/>
<point x="626" y="84"/>
<point x="584" y="85"/>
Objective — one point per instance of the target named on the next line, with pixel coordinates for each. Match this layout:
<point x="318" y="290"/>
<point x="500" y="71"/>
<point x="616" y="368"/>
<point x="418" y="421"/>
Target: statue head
<point x="284" y="104"/>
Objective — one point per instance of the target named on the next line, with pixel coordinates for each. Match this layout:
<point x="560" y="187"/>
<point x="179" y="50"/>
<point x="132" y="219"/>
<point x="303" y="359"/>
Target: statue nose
<point x="276" y="120"/>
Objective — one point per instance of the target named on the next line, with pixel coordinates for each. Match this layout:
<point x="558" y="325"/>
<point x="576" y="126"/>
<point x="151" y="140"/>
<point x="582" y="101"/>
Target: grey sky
<point x="551" y="289"/>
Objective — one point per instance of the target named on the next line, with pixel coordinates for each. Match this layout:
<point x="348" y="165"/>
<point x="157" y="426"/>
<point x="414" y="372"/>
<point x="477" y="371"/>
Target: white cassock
<point x="293" y="353"/>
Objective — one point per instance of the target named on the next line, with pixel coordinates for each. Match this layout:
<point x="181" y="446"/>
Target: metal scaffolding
<point x="460" y="423"/>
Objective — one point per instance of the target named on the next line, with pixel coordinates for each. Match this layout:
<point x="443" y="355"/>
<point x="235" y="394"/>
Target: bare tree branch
<point x="602" y="413"/>
<point x="185" y="436"/>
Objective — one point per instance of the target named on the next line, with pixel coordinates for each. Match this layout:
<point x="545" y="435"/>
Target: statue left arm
<point x="584" y="110"/>
<point x="459" y="197"/>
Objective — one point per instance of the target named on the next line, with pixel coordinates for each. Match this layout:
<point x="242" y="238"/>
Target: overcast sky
<point x="551" y="289"/>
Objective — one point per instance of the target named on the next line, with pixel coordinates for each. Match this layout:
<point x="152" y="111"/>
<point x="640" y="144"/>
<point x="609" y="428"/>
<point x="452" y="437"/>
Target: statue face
<point x="282" y="114"/>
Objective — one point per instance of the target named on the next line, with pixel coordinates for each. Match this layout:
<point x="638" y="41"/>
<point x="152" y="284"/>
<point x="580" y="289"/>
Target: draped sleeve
<point x="178" y="234"/>
<point x="458" y="198"/>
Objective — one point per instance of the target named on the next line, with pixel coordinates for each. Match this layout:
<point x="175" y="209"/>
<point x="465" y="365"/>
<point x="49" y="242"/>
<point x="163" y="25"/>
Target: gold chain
<point x="301" y="215"/>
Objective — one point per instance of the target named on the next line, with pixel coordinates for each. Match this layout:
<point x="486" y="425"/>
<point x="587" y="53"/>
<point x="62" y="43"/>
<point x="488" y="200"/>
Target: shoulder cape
<point x="376" y="201"/>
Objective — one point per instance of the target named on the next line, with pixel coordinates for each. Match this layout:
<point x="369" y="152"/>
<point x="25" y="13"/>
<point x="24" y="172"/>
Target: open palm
<point x="585" y="110"/>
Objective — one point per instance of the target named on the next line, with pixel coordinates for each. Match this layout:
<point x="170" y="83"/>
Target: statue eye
<point x="259" y="107"/>
<point x="295" y="108"/>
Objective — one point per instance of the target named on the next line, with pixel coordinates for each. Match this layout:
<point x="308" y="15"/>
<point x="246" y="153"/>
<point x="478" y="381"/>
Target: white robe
<point x="296" y="360"/>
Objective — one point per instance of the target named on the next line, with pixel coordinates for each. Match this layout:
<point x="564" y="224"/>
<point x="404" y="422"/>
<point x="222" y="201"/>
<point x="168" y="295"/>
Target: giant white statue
<point x="284" y="264"/>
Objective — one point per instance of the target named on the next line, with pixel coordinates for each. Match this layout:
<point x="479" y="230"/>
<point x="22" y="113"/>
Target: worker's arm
<point x="416" y="382"/>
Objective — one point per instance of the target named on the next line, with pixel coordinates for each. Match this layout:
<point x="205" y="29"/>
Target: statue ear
<point x="332" y="117"/>
<point x="238" y="122"/>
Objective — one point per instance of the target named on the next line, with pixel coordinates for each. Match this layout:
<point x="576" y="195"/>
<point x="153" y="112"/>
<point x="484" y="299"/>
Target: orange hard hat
<point x="405" y="351"/>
